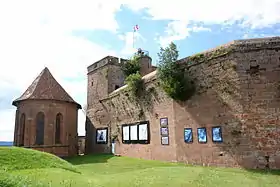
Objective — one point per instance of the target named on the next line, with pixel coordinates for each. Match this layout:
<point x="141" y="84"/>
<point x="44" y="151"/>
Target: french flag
<point x="136" y="28"/>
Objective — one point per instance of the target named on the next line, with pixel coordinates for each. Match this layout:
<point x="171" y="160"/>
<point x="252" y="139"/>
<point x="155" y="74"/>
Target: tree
<point x="172" y="76"/>
<point x="132" y="66"/>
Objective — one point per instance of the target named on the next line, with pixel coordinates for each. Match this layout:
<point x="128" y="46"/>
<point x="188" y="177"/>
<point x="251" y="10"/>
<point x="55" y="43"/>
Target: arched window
<point x="40" y="125"/>
<point x="58" y="123"/>
<point x="22" y="130"/>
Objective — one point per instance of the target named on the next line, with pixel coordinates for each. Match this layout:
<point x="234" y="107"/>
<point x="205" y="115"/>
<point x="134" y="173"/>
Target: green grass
<point x="106" y="171"/>
<point x="15" y="158"/>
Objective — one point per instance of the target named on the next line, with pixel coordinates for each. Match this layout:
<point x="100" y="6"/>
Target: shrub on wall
<point x="135" y="83"/>
<point x="132" y="66"/>
<point x="172" y="76"/>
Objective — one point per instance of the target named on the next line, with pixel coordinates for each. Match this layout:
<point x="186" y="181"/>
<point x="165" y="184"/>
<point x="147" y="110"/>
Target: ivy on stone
<point x="135" y="83"/>
<point x="132" y="66"/>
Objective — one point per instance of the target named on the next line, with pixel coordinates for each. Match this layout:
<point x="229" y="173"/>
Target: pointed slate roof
<point x="45" y="87"/>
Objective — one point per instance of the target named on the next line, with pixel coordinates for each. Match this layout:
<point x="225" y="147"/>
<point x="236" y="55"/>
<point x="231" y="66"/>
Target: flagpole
<point x="133" y="38"/>
<point x="135" y="28"/>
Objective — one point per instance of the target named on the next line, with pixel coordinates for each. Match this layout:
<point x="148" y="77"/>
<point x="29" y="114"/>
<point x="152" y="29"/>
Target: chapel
<point x="47" y="118"/>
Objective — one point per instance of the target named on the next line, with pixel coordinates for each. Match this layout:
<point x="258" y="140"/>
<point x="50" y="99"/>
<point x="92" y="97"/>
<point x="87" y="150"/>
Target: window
<point x="136" y="133"/>
<point x="40" y="125"/>
<point x="58" y="123"/>
<point x="22" y="130"/>
<point x="117" y="87"/>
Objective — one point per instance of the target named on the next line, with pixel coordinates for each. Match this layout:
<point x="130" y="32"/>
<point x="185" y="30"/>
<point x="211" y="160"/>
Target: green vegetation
<point x="202" y="57"/>
<point x="132" y="66"/>
<point x="109" y="171"/>
<point x="172" y="76"/>
<point x="131" y="70"/>
<point x="16" y="158"/>
<point x="135" y="84"/>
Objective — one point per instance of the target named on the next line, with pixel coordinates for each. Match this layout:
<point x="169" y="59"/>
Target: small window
<point x="40" y="125"/>
<point x="58" y="128"/>
<point x="22" y="129"/>
<point x="117" y="87"/>
<point x="91" y="83"/>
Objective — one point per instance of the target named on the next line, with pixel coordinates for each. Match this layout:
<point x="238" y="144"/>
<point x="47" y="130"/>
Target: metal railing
<point x="142" y="52"/>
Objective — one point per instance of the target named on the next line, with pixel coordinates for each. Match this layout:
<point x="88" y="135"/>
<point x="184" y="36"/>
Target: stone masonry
<point x="57" y="129"/>
<point x="237" y="89"/>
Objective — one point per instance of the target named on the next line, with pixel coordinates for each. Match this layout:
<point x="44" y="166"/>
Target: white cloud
<point x="200" y="29"/>
<point x="250" y="13"/>
<point x="130" y="48"/>
<point x="63" y="15"/>
<point x="257" y="13"/>
<point x="7" y="122"/>
<point x="36" y="34"/>
<point x="178" y="30"/>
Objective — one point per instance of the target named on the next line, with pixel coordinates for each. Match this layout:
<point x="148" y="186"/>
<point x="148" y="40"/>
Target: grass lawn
<point x="106" y="170"/>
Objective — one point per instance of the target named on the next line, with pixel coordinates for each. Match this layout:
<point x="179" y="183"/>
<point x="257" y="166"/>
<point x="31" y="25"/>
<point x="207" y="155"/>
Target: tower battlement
<point x="108" y="60"/>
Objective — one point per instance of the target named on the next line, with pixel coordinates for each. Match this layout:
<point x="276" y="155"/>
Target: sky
<point x="67" y="36"/>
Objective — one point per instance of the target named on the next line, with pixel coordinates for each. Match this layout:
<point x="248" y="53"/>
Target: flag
<point x="136" y="28"/>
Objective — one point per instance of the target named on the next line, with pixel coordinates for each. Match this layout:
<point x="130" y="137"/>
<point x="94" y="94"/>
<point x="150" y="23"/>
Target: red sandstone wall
<point x="123" y="110"/>
<point x="51" y="108"/>
<point x="96" y="114"/>
<point x="240" y="99"/>
<point x="232" y="91"/>
<point x="61" y="151"/>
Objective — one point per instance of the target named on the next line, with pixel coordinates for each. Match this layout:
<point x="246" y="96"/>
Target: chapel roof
<point x="45" y="87"/>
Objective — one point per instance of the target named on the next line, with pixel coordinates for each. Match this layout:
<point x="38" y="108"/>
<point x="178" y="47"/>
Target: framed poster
<point x="125" y="134"/>
<point x="102" y="135"/>
<point x="188" y="135"/>
<point x="202" y="135"/>
<point x="144" y="132"/>
<point x="164" y="140"/>
<point x="217" y="134"/>
<point x="164" y="131"/>
<point x="133" y="133"/>
<point x="163" y="121"/>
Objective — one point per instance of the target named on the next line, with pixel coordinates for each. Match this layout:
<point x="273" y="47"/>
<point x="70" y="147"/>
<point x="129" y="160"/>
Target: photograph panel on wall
<point x="217" y="134"/>
<point x="188" y="135"/>
<point x="144" y="132"/>
<point x="164" y="140"/>
<point x="133" y="133"/>
<point x="164" y="131"/>
<point x="202" y="135"/>
<point x="125" y="134"/>
<point x="102" y="135"/>
<point x="163" y="121"/>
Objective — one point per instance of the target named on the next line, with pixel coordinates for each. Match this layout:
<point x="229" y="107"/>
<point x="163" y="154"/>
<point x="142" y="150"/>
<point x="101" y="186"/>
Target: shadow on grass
<point x="264" y="171"/>
<point x="88" y="159"/>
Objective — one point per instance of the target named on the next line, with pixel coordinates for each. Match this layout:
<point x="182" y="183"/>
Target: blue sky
<point x="69" y="38"/>
<point x="196" y="41"/>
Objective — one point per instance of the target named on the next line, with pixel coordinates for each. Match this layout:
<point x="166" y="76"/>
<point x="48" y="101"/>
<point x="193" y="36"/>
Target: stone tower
<point x="47" y="117"/>
<point x="105" y="76"/>
<point x="146" y="66"/>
